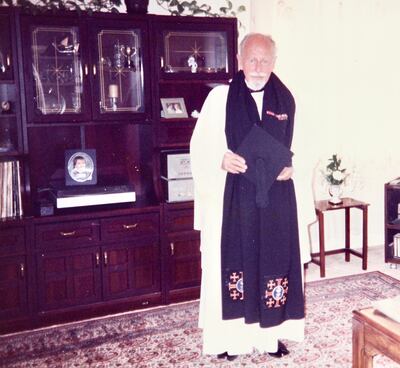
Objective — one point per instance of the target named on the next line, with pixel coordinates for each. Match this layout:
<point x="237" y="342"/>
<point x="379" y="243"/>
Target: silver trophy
<point x="129" y="53"/>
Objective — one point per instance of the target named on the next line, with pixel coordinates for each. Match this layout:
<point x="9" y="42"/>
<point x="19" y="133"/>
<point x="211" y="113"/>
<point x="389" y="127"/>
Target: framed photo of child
<point x="80" y="167"/>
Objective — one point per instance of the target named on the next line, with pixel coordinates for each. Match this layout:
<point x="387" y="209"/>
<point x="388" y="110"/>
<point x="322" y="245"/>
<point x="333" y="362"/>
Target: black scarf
<point x="260" y="257"/>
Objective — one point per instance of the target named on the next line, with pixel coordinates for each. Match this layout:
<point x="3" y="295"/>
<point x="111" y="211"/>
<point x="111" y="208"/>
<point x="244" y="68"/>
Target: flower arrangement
<point x="334" y="174"/>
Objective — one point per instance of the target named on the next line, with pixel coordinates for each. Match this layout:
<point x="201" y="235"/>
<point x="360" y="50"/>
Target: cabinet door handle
<point x="22" y="269"/>
<point x="105" y="258"/>
<point x="172" y="246"/>
<point x="94" y="69"/>
<point x="65" y="233"/>
<point x="86" y="69"/>
<point x="8" y="60"/>
<point x="162" y="62"/>
<point x="97" y="259"/>
<point x="130" y="226"/>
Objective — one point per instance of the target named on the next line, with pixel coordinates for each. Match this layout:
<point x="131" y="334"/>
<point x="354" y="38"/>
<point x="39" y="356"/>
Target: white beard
<point x="255" y="85"/>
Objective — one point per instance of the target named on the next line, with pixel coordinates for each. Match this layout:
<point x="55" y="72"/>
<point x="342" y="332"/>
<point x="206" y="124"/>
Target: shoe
<point x="222" y="355"/>
<point x="282" y="350"/>
<point x="227" y="356"/>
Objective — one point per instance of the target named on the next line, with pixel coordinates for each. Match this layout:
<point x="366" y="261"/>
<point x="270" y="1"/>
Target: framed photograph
<point x="174" y="108"/>
<point x="80" y="167"/>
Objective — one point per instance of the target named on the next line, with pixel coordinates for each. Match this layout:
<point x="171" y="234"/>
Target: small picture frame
<point x="174" y="108"/>
<point x="80" y="167"/>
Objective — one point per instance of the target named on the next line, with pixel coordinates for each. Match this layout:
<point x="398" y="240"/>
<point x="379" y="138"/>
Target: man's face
<point x="257" y="62"/>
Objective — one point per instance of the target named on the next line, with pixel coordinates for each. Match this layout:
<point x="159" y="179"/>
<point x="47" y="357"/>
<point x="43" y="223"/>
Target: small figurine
<point x="195" y="114"/>
<point x="192" y="63"/>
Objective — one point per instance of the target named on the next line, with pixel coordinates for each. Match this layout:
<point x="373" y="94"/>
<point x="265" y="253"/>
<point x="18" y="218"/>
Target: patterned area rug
<point x="169" y="337"/>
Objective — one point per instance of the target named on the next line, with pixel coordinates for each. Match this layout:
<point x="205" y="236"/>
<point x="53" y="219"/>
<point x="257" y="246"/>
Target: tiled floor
<point x="336" y="265"/>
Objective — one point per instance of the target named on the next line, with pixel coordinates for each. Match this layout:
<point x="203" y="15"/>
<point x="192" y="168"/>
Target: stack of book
<point x="10" y="189"/>
<point x="396" y="245"/>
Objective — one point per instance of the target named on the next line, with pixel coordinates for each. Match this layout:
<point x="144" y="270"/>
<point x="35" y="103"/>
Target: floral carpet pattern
<point x="169" y="337"/>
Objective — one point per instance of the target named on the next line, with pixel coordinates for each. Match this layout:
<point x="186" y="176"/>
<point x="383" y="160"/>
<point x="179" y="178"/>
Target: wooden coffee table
<point x="374" y="333"/>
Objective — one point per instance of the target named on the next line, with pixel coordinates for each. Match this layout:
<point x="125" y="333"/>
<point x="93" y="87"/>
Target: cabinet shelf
<point x="178" y="120"/>
<point x="7" y="116"/>
<point x="393" y="226"/>
<point x="213" y="81"/>
<point x="11" y="154"/>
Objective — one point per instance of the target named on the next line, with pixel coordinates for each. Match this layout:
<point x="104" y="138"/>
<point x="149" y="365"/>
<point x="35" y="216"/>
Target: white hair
<point x="266" y="38"/>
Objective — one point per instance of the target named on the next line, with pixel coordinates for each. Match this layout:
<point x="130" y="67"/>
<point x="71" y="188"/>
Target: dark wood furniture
<point x="80" y="81"/>
<point x="347" y="204"/>
<point x="373" y="334"/>
<point x="392" y="221"/>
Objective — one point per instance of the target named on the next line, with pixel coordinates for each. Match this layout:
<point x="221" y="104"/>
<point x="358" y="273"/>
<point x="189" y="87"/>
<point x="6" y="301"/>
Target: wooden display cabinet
<point x="95" y="82"/>
<point x="211" y="45"/>
<point x="392" y="221"/>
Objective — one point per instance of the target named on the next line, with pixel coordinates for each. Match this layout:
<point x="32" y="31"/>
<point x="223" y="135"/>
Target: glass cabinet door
<point x="10" y="134"/>
<point x="57" y="70"/>
<point x="6" y="71"/>
<point x="195" y="52"/>
<point x="118" y="77"/>
<point x="120" y="71"/>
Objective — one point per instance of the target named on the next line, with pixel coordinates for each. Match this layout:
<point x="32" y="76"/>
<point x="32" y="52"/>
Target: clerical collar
<point x="254" y="90"/>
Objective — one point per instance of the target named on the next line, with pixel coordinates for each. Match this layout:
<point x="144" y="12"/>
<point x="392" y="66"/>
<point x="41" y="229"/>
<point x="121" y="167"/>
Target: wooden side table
<point x="374" y="333"/>
<point x="347" y="204"/>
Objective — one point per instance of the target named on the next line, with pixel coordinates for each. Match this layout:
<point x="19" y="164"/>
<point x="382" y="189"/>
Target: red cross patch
<point x="276" y="292"/>
<point x="235" y="286"/>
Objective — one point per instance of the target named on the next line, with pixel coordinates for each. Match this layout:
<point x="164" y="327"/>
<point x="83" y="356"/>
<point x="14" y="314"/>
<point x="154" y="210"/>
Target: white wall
<point x="341" y="58"/>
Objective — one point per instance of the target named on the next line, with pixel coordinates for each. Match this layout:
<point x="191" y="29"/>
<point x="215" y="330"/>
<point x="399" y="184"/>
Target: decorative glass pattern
<point x="120" y="71"/>
<point x="6" y="72"/>
<point x="57" y="70"/>
<point x="208" y="49"/>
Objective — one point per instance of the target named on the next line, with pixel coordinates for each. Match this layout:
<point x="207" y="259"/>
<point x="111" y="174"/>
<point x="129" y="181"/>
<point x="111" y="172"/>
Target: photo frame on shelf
<point x="174" y="107"/>
<point x="80" y="167"/>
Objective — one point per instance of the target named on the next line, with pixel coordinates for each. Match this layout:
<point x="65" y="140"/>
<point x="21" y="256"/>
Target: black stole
<point x="260" y="255"/>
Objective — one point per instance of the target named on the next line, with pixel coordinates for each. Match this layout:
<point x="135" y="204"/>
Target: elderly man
<point x="252" y="288"/>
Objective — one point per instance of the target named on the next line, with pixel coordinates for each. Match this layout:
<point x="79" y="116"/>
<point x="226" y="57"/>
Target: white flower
<point x="338" y="175"/>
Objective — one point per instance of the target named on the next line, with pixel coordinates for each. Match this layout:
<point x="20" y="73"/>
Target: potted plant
<point x="335" y="176"/>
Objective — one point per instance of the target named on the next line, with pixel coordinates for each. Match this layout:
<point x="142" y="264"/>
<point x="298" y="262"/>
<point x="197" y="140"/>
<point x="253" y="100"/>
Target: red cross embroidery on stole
<point x="276" y="292"/>
<point x="236" y="286"/>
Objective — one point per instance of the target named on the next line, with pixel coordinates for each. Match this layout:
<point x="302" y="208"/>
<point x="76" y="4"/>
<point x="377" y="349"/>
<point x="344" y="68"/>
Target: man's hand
<point x="233" y="163"/>
<point x="285" y="174"/>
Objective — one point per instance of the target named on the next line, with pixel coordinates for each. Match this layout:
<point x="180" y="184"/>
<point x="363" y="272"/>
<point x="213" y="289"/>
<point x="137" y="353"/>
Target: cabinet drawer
<point x="12" y="240"/>
<point x="179" y="220"/>
<point x="67" y="234"/>
<point x="125" y="227"/>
